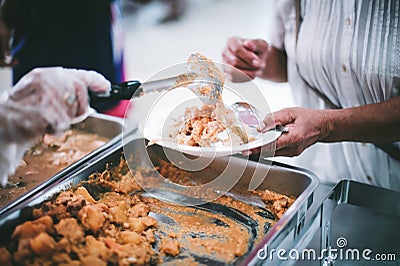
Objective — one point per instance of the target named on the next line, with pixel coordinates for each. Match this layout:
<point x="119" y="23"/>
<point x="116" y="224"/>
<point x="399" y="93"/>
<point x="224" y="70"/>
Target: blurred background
<point x="157" y="35"/>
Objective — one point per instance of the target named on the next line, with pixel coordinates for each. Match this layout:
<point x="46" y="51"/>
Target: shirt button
<point x="348" y="21"/>
<point x="344" y="68"/>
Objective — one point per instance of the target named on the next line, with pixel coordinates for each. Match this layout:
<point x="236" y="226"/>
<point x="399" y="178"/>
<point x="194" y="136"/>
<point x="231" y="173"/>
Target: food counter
<point x="228" y="230"/>
<point x="239" y="228"/>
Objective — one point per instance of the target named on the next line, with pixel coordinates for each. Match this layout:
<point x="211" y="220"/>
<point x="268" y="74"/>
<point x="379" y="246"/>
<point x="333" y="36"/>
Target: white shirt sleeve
<point x="277" y="31"/>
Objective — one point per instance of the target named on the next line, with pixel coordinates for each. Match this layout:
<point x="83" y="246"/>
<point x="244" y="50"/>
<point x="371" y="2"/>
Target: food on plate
<point x="192" y="112"/>
<point x="109" y="220"/>
<point x="48" y="156"/>
<point x="210" y="125"/>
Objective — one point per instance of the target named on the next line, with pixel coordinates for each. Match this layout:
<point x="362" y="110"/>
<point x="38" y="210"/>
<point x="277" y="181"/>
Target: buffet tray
<point x="104" y="126"/>
<point x="355" y="224"/>
<point x="281" y="178"/>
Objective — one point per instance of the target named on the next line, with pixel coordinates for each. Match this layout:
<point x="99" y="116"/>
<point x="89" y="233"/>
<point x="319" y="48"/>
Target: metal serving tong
<point x="126" y="90"/>
<point x="202" y="72"/>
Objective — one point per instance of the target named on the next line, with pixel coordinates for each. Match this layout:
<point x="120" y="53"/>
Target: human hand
<point x="44" y="101"/>
<point x="305" y="127"/>
<point x="247" y="55"/>
<point x="47" y="99"/>
<point x="5" y="49"/>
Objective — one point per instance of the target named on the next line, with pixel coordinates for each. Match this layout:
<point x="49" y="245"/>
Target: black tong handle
<point x="121" y="91"/>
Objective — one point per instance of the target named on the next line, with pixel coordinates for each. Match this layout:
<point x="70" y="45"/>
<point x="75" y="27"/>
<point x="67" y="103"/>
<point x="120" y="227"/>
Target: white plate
<point x="152" y="112"/>
<point x="219" y="151"/>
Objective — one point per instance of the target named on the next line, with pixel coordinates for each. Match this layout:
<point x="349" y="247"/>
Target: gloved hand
<point x="44" y="101"/>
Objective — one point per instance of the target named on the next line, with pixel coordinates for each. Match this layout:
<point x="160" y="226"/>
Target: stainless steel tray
<point x="352" y="219"/>
<point x="281" y="178"/>
<point x="103" y="125"/>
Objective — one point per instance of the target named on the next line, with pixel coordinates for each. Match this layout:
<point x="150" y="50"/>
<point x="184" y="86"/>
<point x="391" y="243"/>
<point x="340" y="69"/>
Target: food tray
<point x="281" y="178"/>
<point x="103" y="125"/>
<point x="354" y="218"/>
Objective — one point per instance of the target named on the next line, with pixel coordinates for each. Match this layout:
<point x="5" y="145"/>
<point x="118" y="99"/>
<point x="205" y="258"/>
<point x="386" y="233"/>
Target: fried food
<point x="107" y="221"/>
<point x="210" y="124"/>
<point x="278" y="203"/>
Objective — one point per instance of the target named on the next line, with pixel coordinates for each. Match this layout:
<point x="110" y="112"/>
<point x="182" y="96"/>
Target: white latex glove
<point x="44" y="101"/>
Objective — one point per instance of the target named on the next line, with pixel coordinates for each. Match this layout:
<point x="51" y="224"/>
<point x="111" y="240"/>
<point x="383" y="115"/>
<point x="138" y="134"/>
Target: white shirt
<point x="349" y="51"/>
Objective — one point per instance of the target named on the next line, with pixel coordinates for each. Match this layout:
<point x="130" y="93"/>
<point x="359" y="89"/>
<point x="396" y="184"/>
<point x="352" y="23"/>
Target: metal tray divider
<point x="72" y="167"/>
<point x="50" y="188"/>
<point x="326" y="211"/>
<point x="291" y="235"/>
<point x="291" y="225"/>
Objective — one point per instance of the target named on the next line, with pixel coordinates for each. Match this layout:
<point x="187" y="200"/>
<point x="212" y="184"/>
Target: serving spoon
<point x="250" y="116"/>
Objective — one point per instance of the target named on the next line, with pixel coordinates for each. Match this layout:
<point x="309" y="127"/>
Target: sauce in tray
<point x="46" y="158"/>
<point x="109" y="220"/>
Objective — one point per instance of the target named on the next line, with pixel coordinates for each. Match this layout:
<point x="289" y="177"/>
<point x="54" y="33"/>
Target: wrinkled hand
<point x="247" y="55"/>
<point x="5" y="49"/>
<point x="305" y="127"/>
